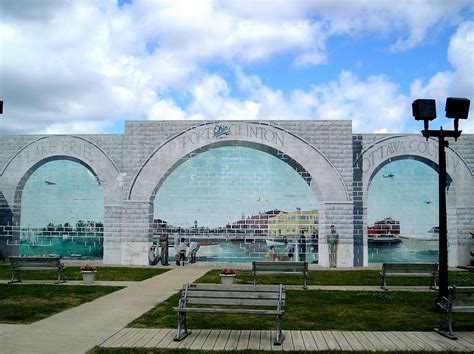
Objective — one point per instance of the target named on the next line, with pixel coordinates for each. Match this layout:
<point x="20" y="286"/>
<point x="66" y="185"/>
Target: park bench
<point x="460" y="299"/>
<point x="280" y="268"/>
<point x="231" y="299"/>
<point x="428" y="270"/>
<point x="36" y="263"/>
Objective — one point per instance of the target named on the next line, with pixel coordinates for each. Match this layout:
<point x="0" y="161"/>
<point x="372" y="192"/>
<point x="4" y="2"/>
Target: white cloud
<point x="83" y="65"/>
<point x="454" y="83"/>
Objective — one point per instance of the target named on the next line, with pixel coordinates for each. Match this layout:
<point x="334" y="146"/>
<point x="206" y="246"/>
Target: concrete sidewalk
<point x="81" y="328"/>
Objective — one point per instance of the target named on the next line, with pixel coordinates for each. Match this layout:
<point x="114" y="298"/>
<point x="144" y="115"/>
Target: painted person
<point x="153" y="257"/>
<point x="315" y="246"/>
<point x="193" y="248"/>
<point x="164" y="248"/>
<point x="290" y="248"/>
<point x="333" y="239"/>
<point x="302" y="247"/>
<point x="182" y="247"/>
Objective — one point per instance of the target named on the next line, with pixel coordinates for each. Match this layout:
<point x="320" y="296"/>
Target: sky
<point x="407" y="191"/>
<point x="86" y="66"/>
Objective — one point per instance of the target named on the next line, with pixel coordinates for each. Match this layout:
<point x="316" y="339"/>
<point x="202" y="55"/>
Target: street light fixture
<point x="425" y="110"/>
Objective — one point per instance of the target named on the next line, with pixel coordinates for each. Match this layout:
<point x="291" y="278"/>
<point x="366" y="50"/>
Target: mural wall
<point x="62" y="208"/>
<point x="402" y="215"/>
<point x="236" y="188"/>
<point x="236" y="202"/>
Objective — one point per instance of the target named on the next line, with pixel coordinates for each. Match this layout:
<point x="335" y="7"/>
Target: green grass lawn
<point x="73" y="273"/>
<point x="340" y="277"/>
<point x="30" y="303"/>
<point x="323" y="310"/>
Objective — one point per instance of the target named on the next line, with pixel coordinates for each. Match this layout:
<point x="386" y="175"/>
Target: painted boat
<point x="384" y="231"/>
<point x="427" y="242"/>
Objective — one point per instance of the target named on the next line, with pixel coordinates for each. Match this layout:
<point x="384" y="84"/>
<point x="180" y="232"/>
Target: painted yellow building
<point x="291" y="224"/>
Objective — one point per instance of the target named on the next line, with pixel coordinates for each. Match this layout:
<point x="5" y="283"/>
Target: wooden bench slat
<point x="234" y="287"/>
<point x="232" y="302"/>
<point x="233" y="311"/>
<point x="232" y="294"/>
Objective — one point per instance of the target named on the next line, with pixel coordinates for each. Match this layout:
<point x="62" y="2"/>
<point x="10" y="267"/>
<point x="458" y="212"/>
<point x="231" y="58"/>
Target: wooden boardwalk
<point x="233" y="340"/>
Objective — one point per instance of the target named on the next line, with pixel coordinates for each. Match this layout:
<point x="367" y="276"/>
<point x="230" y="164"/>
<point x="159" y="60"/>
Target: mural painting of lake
<point x="62" y="207"/>
<point x="236" y="202"/>
<point x="402" y="215"/>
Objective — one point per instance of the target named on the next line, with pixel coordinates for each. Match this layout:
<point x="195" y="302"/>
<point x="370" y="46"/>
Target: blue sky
<point x="86" y="66"/>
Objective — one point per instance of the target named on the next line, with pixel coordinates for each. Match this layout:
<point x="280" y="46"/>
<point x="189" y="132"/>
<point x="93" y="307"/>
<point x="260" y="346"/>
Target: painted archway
<point x="326" y="182"/>
<point x="393" y="148"/>
<point x="42" y="150"/>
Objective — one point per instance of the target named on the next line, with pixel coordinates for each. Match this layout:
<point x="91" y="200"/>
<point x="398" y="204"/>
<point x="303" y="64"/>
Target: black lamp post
<point x="425" y="110"/>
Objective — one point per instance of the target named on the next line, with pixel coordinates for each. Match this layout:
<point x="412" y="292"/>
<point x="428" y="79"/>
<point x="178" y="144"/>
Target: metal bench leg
<point x="384" y="285"/>
<point x="182" y="328"/>
<point x="305" y="286"/>
<point x="433" y="282"/>
<point x="445" y="325"/>
<point x="15" y="276"/>
<point x="61" y="278"/>
<point x="279" y="334"/>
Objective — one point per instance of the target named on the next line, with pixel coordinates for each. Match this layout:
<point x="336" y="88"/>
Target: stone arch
<point x="324" y="179"/>
<point x="393" y="148"/>
<point x="44" y="149"/>
<point x="301" y="152"/>
<point x="75" y="148"/>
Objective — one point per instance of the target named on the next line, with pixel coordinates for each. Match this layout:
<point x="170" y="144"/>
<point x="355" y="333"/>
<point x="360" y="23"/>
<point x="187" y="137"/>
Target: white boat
<point x="274" y="242"/>
<point x="427" y="242"/>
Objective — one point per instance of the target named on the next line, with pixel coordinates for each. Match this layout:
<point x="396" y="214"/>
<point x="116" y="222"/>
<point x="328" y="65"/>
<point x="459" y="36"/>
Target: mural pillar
<point x="339" y="214"/>
<point x="137" y="231"/>
<point x="460" y="226"/>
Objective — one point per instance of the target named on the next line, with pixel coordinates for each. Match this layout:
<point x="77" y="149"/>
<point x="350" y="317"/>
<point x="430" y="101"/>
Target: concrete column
<point x="339" y="214"/>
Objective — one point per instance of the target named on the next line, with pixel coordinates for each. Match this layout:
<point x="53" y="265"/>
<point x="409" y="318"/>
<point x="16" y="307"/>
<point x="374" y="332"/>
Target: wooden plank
<point x="200" y="339"/>
<point x="266" y="340"/>
<point x="287" y="344"/>
<point x="364" y="341"/>
<point x="467" y="345"/>
<point x="353" y="341"/>
<point x="168" y="341"/>
<point x="341" y="340"/>
<point x="139" y="335"/>
<point x="158" y="336"/>
<point x="407" y="340"/>
<point x="468" y="337"/>
<point x="187" y="342"/>
<point x="399" y="344"/>
<point x="385" y="341"/>
<point x="211" y="340"/>
<point x="222" y="340"/>
<point x="331" y="341"/>
<point x="232" y="302"/>
<point x="254" y="340"/>
<point x="125" y="335"/>
<point x="114" y="338"/>
<point x="232" y="340"/>
<point x="372" y="337"/>
<point x="420" y="343"/>
<point x="146" y="338"/>
<point x="319" y="340"/>
<point x="434" y="344"/>
<point x="443" y="342"/>
<point x="309" y="341"/>
<point x="243" y="342"/>
<point x="298" y="342"/>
